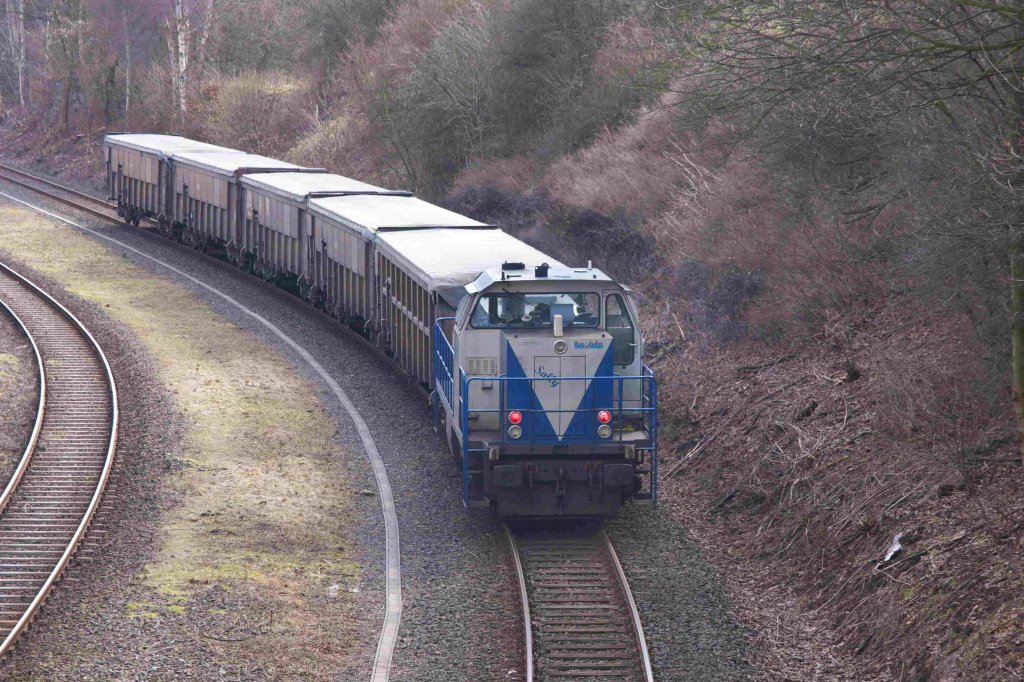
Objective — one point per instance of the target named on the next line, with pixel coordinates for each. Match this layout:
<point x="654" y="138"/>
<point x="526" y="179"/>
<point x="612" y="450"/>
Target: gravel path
<point x="19" y="392"/>
<point x="460" y="618"/>
<point x="690" y="632"/>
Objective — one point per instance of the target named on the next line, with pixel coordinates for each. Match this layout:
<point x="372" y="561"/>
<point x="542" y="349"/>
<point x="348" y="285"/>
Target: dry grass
<point x="18" y="395"/>
<point x="262" y="508"/>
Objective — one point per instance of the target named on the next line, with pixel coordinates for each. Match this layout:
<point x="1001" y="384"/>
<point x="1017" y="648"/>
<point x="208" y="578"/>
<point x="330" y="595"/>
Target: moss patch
<point x="262" y="500"/>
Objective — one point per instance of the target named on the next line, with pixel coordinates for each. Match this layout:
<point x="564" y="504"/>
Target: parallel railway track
<point x="56" y="489"/>
<point x="57" y="192"/>
<point x="580" y="619"/>
<point x="388" y="639"/>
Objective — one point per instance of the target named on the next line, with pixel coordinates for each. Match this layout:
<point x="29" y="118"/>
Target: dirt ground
<point x="860" y="488"/>
<point x="19" y="393"/>
<point x="248" y="574"/>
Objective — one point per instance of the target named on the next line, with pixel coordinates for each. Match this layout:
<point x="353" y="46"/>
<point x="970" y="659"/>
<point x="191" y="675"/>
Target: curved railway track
<point x="579" y="616"/>
<point x="57" y="486"/>
<point x="388" y="638"/>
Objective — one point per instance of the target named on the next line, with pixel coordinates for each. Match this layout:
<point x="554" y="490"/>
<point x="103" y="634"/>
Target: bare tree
<point x="14" y="33"/>
<point x="860" y="73"/>
<point x="187" y="48"/>
<point x="64" y="41"/>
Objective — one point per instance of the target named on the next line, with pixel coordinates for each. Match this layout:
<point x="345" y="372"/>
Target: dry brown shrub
<point x="824" y="450"/>
<point x="632" y="46"/>
<point x="516" y="174"/>
<point x="638" y="167"/>
<point x="353" y="138"/>
<point x="262" y="113"/>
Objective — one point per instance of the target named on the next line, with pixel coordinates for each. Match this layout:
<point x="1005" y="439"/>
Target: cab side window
<point x="618" y="324"/>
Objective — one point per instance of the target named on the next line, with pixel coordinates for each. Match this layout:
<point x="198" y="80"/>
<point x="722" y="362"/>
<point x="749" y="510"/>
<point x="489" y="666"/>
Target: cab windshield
<point x="510" y="310"/>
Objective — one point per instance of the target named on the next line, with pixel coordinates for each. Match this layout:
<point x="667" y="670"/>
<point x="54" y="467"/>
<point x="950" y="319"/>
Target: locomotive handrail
<point x="443" y="357"/>
<point x="648" y="410"/>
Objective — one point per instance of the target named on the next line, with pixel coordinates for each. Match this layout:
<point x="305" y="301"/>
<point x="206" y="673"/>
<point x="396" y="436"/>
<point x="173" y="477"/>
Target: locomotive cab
<point x="547" y="403"/>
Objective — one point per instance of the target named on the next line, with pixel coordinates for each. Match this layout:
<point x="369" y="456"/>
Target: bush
<point x="616" y="244"/>
<point x="259" y="113"/>
<point x="499" y="82"/>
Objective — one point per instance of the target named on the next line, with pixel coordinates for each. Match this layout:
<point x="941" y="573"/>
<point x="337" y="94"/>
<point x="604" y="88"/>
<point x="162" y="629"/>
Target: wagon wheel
<point x="136" y="217"/>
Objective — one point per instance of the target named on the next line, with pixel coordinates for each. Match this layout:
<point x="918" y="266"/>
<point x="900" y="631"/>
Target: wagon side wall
<point x="207" y="205"/>
<point x="408" y="305"/>
<point x="340" y="252"/>
<point x="133" y="177"/>
<point x="279" y="230"/>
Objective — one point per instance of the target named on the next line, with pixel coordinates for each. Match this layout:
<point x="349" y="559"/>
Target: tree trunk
<point x="20" y="53"/>
<point x="182" y="36"/>
<point x="65" y="104"/>
<point x="209" y="17"/>
<point x="127" y="64"/>
<point x="178" y="39"/>
<point x="16" y="39"/>
<point x="1017" y="334"/>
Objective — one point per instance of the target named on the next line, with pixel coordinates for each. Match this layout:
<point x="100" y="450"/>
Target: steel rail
<point x="524" y="602"/>
<point x="638" y="626"/>
<point x="30" y="445"/>
<point x="23" y="179"/>
<point x="80" y="531"/>
<point x="388" y="639"/>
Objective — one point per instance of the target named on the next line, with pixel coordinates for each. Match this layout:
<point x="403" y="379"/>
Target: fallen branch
<point x="696" y="450"/>
<point x="747" y="369"/>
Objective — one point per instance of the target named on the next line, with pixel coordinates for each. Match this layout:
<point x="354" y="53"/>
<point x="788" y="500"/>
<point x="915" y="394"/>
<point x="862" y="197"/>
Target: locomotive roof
<point x="449" y="259"/>
<point x="231" y="162"/>
<point x="297" y="186"/>
<point x="162" y="144"/>
<point x="556" y="272"/>
<point x="370" y="214"/>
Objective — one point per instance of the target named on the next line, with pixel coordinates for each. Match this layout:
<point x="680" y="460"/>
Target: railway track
<point x="580" y="619"/>
<point x="58" y="484"/>
<point x="388" y="639"/>
<point x="58" y="192"/>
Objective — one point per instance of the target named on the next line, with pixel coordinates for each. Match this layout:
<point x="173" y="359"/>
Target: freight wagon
<point x="138" y="173"/>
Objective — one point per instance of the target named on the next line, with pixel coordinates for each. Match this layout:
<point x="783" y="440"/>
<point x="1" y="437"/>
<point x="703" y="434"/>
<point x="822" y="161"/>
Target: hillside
<point x="819" y="245"/>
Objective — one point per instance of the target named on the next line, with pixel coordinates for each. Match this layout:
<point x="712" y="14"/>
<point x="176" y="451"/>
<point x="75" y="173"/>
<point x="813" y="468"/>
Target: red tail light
<point x="604" y="416"/>
<point x="515" y="417"/>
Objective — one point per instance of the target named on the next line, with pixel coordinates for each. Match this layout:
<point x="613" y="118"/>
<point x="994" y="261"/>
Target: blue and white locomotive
<point x="546" y="401"/>
<point x="535" y="370"/>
